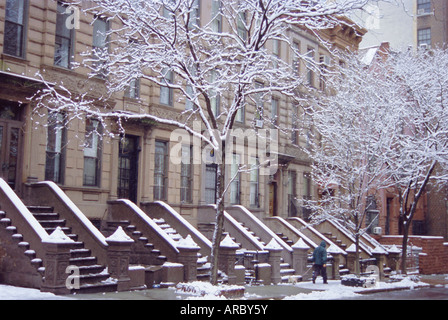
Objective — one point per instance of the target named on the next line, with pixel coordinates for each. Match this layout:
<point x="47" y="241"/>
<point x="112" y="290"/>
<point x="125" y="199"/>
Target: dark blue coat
<point x="320" y="254"/>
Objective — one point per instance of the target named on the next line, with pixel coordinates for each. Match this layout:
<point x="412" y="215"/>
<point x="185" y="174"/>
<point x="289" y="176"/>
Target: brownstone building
<point x="35" y="38"/>
<point x="431" y="23"/>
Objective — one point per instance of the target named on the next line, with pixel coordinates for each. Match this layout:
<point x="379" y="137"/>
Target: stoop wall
<point x="434" y="256"/>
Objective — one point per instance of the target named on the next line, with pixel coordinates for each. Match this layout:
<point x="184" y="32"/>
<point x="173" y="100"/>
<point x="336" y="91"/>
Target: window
<point x="55" y="154"/>
<point x="276" y="51"/>
<point x="292" y="180"/>
<point x="306" y="212"/>
<point x="294" y="125"/>
<point x="217" y="16"/>
<point x="63" y="49"/>
<point x="133" y="90"/>
<point x="166" y="93"/>
<point x="296" y="55"/>
<point x="168" y="9"/>
<point x="188" y="103"/>
<point x="424" y="37"/>
<point x="215" y="98"/>
<point x="324" y="63"/>
<point x="259" y="104"/>
<point x="241" y="25"/>
<point x="254" y="192"/>
<point x="309" y="66"/>
<point x="15" y="17"/>
<point x="160" y="170"/>
<point x="210" y="183"/>
<point x="195" y="15"/>
<point x="423" y="6"/>
<point x="186" y="174"/>
<point x="92" y="151"/>
<point x="100" y="29"/>
<point x="274" y="111"/>
<point x="235" y="185"/>
<point x="240" y="113"/>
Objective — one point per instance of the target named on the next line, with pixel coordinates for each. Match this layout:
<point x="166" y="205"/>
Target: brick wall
<point x="434" y="257"/>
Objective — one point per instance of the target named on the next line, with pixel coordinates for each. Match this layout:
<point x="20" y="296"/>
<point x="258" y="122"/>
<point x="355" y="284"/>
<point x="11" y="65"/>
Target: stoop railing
<point x="48" y="193"/>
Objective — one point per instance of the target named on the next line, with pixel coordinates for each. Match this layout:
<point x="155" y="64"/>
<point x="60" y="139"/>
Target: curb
<point x="371" y="291"/>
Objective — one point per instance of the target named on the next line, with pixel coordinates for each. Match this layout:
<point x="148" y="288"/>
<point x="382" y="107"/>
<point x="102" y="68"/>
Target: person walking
<point x="320" y="260"/>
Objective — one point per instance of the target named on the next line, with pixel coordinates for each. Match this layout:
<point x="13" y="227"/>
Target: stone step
<point x="46" y="216"/>
<point x="40" y="209"/>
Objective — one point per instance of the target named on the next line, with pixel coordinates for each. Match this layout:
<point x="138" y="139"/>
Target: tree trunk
<point x="404" y="244"/>
<point x="357" y="264"/>
<point x="219" y="221"/>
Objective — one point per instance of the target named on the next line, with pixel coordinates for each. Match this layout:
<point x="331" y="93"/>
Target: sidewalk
<point x="299" y="291"/>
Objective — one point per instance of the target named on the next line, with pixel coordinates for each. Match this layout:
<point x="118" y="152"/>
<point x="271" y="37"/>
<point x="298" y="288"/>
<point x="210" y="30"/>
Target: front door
<point x="128" y="168"/>
<point x="10" y="143"/>
<point x="273" y="199"/>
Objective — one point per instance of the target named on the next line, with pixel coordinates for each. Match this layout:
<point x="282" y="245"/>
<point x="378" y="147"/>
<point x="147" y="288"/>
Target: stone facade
<point x="19" y="82"/>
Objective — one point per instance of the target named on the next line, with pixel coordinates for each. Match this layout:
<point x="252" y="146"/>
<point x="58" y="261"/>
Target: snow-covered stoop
<point x="26" y="236"/>
<point x="161" y="238"/>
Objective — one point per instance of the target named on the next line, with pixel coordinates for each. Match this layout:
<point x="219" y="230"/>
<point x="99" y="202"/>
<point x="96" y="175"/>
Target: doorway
<point x="272" y="199"/>
<point x="10" y="146"/>
<point x="128" y="168"/>
<point x="11" y="143"/>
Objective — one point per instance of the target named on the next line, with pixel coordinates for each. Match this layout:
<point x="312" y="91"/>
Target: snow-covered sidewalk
<point x="19" y="293"/>
<point x="335" y="290"/>
<point x="307" y="291"/>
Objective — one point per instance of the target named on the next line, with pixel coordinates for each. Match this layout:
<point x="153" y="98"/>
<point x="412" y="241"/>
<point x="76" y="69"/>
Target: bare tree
<point x="419" y="156"/>
<point x="353" y="127"/>
<point x="167" y="44"/>
<point x="385" y="126"/>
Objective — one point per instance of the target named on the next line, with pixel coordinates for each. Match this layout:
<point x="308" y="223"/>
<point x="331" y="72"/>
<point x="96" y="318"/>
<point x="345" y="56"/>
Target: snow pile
<point x="273" y="245"/>
<point x="187" y="243"/>
<point x="119" y="236"/>
<point x="300" y="244"/>
<point x="227" y="242"/>
<point x="58" y="236"/>
<point x="205" y="290"/>
<point x="335" y="290"/>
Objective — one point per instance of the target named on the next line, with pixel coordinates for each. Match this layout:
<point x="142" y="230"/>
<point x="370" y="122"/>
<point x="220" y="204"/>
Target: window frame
<point x="55" y="148"/>
<point x="59" y="37"/>
<point x="21" y="39"/>
<point x="186" y="175"/>
<point x="160" y="187"/>
<point x="93" y="150"/>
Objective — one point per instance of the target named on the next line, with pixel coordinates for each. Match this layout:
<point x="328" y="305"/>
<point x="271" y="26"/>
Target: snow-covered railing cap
<point x="300" y="244"/>
<point x="58" y="236"/>
<point x="187" y="243"/>
<point x="334" y="249"/>
<point x="227" y="242"/>
<point x="273" y="245"/>
<point x="352" y="248"/>
<point x="379" y="250"/>
<point x="119" y="236"/>
<point x="394" y="249"/>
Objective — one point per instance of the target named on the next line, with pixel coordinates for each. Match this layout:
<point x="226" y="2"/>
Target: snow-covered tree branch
<point x="212" y="64"/>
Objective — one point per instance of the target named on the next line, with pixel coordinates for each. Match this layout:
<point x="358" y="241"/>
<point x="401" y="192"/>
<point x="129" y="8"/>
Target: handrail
<point x="48" y="193"/>
<point x="261" y="226"/>
<point x="80" y="216"/>
<point x="130" y="211"/>
<point x="182" y="226"/>
<point x="22" y="218"/>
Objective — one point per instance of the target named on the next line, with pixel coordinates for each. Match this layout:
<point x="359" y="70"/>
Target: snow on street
<point x="18" y="293"/>
<point x="319" y="291"/>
